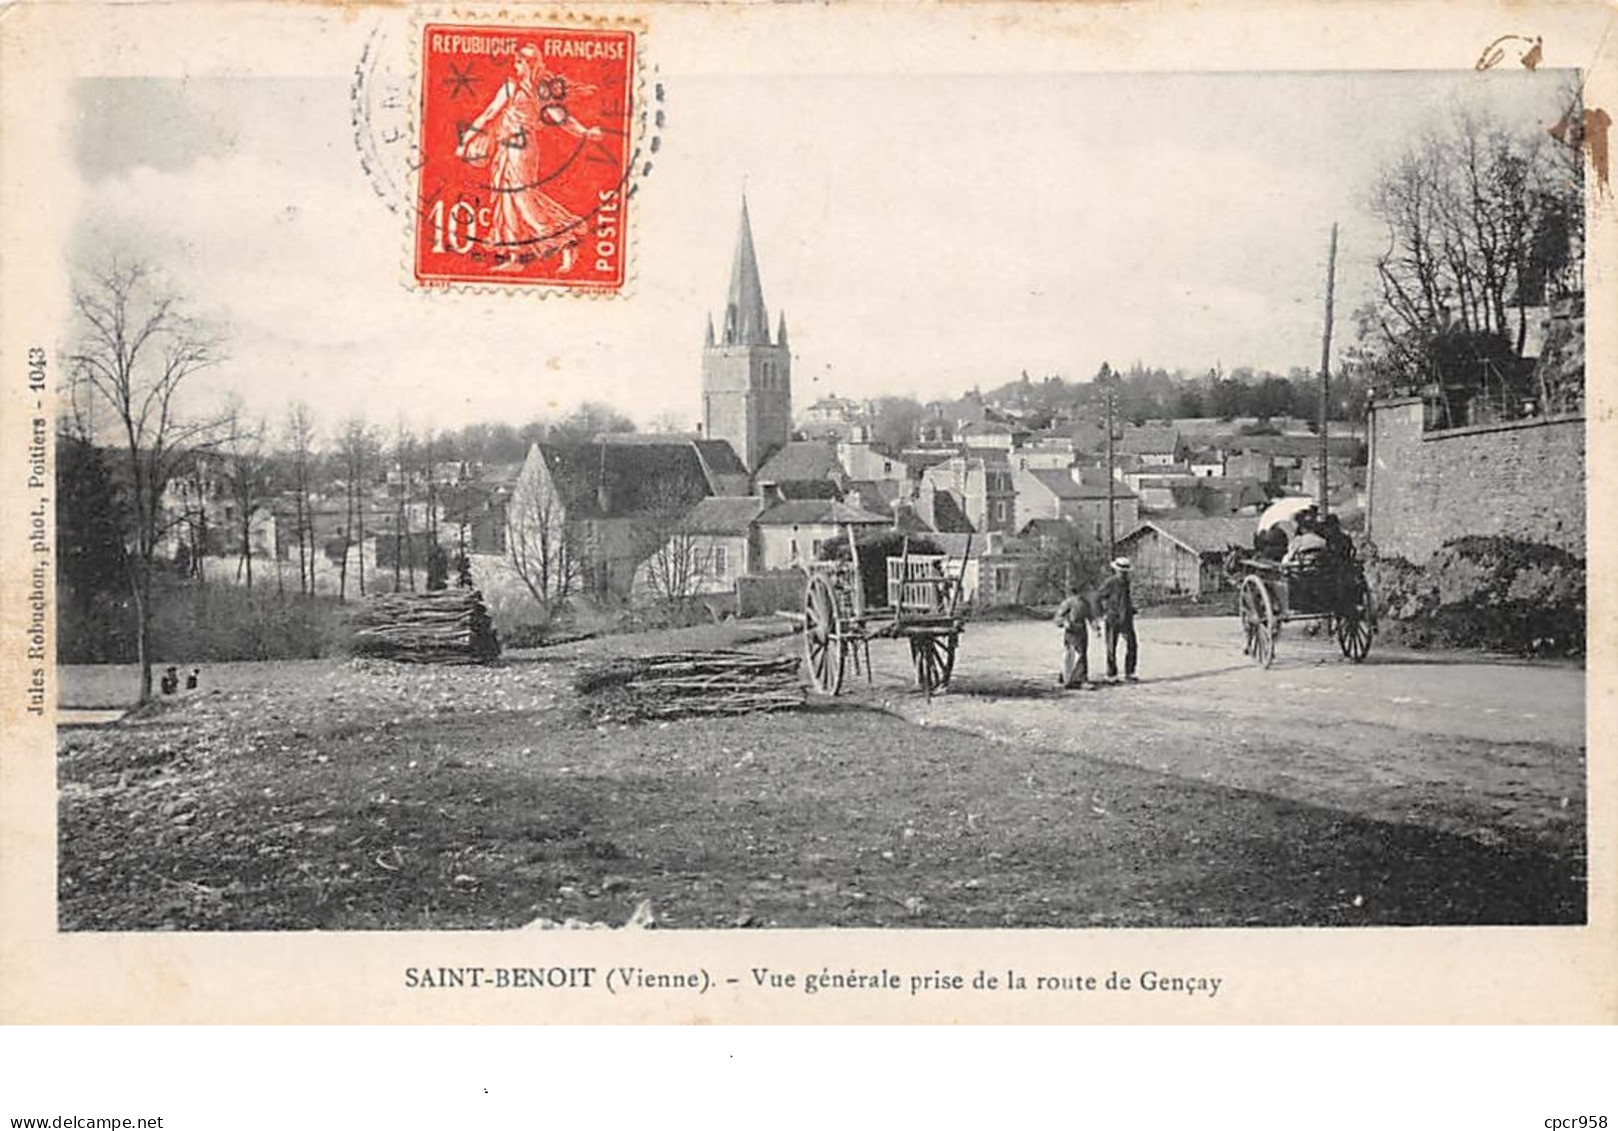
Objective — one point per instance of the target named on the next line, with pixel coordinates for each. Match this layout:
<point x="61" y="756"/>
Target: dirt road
<point x="365" y="795"/>
<point x="1483" y="750"/>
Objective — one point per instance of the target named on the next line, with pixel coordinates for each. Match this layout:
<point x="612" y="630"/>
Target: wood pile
<point x="444" y="626"/>
<point x="679" y="684"/>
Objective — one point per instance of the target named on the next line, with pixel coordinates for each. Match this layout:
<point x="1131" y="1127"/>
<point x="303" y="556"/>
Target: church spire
<point x="746" y="323"/>
<point x="781" y="331"/>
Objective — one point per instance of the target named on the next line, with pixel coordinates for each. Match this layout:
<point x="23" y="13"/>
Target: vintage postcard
<point x="646" y="512"/>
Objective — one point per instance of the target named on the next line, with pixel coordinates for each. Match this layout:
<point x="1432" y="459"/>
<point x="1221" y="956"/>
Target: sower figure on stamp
<point x="1076" y="615"/>
<point x="525" y="224"/>
<point x="1118" y="609"/>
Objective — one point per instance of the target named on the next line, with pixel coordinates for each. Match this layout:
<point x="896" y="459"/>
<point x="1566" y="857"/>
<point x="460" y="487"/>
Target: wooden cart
<point x="923" y="607"/>
<point x="1270" y="594"/>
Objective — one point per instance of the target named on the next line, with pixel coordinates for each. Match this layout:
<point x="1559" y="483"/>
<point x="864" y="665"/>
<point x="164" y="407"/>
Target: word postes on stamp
<point x="525" y="153"/>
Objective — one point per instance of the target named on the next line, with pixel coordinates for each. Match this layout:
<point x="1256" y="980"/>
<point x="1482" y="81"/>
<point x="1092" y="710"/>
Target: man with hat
<point x="1118" y="609"/>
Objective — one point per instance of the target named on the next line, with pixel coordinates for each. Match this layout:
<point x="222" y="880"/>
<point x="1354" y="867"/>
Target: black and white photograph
<point x="1027" y="492"/>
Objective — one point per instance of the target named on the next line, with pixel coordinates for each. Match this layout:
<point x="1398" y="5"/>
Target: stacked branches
<point x="679" y="684"/>
<point x="445" y="626"/>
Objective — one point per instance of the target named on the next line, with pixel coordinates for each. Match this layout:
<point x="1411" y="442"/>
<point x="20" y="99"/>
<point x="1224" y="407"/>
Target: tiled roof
<point x="720" y="457"/>
<point x="1340" y="447"/>
<point x="809" y="489"/>
<point x="1148" y="440"/>
<point x="1057" y="529"/>
<point x="802" y="512"/>
<point x="1062" y="485"/>
<point x="1204" y="535"/>
<point x="801" y="459"/>
<point x="724" y="515"/>
<point x="631" y="479"/>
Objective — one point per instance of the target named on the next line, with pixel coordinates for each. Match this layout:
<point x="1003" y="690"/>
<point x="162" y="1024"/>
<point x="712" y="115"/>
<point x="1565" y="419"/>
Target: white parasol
<point x="1284" y="510"/>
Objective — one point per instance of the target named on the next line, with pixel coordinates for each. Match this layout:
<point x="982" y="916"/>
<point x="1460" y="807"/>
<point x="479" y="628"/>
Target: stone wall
<point x="1523" y="480"/>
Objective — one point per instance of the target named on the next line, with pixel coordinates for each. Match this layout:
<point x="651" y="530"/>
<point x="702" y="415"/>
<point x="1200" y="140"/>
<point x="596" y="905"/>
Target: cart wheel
<point x="1259" y="624"/>
<point x="1354" y="629"/>
<point x="933" y="657"/>
<point x="823" y="651"/>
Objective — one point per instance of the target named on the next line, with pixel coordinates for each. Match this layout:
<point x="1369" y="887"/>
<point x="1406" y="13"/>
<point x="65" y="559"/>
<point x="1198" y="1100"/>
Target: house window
<point x="793" y="547"/>
<point x="720" y="562"/>
<point x="1098" y="530"/>
<point x="814" y="548"/>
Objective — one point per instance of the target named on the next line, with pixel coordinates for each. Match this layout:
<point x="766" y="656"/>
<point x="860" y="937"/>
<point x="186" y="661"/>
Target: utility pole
<point x="1325" y="371"/>
<point x="1112" y="532"/>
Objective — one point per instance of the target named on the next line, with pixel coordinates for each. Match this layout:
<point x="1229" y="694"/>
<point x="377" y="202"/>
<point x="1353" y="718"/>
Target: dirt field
<point x="337" y="795"/>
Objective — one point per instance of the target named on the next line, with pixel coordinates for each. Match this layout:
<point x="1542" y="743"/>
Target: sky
<point x="923" y="234"/>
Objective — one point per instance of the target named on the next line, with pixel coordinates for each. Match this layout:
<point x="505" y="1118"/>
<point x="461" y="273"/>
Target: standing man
<point x="1118" y="609"/>
<point x="1075" y="615"/>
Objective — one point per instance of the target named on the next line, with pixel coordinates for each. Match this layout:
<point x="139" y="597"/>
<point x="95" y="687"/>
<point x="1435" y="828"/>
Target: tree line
<point x="1484" y="227"/>
<point x="1141" y="394"/>
<point x="132" y="433"/>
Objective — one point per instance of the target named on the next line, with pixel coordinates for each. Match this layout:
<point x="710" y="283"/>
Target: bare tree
<point x="404" y="449"/>
<point x="357" y="450"/>
<point x="300" y="433"/>
<point x="676" y="560"/>
<point x="541" y="547"/>
<point x="1478" y="220"/>
<point x="246" y="470"/>
<point x="134" y="350"/>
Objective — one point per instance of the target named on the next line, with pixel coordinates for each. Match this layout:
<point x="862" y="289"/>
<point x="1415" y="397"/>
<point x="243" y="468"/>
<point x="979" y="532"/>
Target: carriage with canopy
<point x="1327" y="587"/>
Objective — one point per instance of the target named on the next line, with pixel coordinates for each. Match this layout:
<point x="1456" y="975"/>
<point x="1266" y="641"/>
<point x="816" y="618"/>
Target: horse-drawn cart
<point x="1325" y="585"/>
<point x="1271" y="594"/>
<point x="922" y="607"/>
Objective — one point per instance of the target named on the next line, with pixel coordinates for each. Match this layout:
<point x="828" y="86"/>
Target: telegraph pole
<point x="1112" y="533"/>
<point x="1325" y="371"/>
<point x="1107" y="401"/>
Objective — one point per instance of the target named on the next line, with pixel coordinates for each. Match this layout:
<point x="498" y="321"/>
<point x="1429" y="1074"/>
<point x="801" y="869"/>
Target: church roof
<point x="720" y="457"/>
<point x="746" y="322"/>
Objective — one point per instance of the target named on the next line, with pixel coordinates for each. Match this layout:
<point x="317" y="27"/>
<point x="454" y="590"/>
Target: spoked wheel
<point x="1259" y="623"/>
<point x="823" y="651"/>
<point x="1354" y="628"/>
<point x="934" y="657"/>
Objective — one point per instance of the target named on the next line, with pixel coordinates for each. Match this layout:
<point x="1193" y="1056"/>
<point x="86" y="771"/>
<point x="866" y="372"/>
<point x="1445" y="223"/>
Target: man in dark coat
<point x="1118" y="609"/>
<point x="1075" y="615"/>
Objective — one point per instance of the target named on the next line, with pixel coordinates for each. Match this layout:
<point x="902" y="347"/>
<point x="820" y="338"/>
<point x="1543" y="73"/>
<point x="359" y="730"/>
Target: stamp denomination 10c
<point x="525" y="153"/>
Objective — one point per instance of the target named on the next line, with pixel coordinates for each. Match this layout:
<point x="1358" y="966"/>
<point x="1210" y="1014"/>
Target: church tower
<point x="746" y="378"/>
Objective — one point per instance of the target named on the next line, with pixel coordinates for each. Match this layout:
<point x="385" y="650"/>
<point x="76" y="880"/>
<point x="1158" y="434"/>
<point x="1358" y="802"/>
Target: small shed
<point x="1184" y="556"/>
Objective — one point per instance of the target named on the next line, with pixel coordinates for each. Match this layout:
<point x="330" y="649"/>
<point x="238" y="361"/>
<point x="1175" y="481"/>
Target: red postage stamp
<point x="525" y="153"/>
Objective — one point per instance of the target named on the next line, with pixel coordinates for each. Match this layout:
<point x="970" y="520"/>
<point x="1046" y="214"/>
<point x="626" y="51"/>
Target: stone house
<point x="976" y="490"/>
<point x="714" y="544"/>
<point x="1078" y="496"/>
<point x="791" y="533"/>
